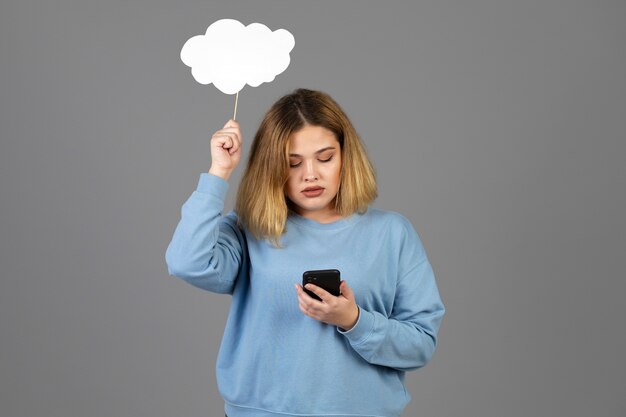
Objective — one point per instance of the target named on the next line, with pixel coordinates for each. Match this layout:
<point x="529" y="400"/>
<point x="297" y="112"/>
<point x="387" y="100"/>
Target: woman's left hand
<point x="340" y="311"/>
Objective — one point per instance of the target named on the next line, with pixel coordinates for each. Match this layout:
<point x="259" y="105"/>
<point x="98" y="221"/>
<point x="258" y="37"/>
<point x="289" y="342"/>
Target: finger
<point x="306" y="299"/>
<point x="320" y="292"/>
<point x="220" y="135"/>
<point x="229" y="133"/>
<point x="306" y="310"/>
<point x="235" y="139"/>
<point x="236" y="145"/>
<point x="345" y="289"/>
<point x="303" y="297"/>
<point x="233" y="132"/>
<point x="230" y="130"/>
<point x="298" y="292"/>
<point x="309" y="312"/>
<point x="231" y="123"/>
<point x="301" y="306"/>
<point x="224" y="141"/>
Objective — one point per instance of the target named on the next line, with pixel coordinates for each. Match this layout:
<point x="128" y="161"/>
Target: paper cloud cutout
<point x="231" y="55"/>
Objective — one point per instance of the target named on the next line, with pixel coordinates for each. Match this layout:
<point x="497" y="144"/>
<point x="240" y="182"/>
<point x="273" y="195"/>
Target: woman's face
<point x="314" y="173"/>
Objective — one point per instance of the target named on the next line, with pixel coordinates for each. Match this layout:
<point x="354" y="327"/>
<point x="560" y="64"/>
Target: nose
<point x="310" y="173"/>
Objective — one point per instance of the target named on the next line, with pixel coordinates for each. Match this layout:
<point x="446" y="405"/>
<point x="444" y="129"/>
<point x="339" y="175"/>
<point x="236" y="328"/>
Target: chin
<point x="310" y="206"/>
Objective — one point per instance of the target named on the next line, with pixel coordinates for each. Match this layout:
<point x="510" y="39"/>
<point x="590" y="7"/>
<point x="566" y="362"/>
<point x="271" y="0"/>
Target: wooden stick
<point x="236" y="98"/>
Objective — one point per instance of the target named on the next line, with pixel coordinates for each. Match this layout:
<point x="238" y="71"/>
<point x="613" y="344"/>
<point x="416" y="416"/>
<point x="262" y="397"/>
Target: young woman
<point x="303" y="204"/>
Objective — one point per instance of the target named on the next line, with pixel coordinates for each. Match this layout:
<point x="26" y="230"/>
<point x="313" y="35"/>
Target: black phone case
<point x="328" y="279"/>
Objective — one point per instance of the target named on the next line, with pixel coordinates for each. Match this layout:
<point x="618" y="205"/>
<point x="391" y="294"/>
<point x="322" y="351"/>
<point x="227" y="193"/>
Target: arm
<point x="206" y="249"/>
<point x="406" y="340"/>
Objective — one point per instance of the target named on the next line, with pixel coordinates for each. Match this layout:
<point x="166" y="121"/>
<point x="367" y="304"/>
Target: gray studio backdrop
<point x="497" y="127"/>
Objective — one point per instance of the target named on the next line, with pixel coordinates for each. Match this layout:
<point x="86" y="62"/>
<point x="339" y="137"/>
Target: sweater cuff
<point x="213" y="185"/>
<point x="362" y="329"/>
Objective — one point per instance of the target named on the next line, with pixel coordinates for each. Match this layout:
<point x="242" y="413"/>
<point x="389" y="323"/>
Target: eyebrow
<point x="316" y="153"/>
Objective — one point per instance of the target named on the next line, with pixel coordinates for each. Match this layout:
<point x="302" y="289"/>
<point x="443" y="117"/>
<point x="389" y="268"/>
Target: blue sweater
<point x="274" y="361"/>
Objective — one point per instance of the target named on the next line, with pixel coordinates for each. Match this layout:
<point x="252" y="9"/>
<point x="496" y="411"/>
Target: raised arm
<point x="207" y="248"/>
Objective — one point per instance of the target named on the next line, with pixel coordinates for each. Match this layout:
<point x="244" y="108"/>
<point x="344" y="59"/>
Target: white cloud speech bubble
<point x="231" y="55"/>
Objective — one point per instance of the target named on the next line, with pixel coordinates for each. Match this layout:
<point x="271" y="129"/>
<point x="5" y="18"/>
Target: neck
<point x="321" y="216"/>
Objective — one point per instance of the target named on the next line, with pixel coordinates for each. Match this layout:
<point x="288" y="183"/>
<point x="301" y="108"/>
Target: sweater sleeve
<point x="206" y="249"/>
<point x="406" y="340"/>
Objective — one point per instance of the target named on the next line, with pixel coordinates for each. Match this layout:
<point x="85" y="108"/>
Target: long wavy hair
<point x="262" y="205"/>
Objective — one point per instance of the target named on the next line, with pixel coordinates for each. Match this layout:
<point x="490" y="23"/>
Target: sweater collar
<point x="294" y="217"/>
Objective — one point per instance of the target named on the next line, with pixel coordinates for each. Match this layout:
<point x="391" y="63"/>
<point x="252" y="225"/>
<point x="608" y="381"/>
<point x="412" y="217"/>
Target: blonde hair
<point x="262" y="206"/>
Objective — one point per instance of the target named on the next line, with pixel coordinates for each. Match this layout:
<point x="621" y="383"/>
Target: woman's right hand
<point x="225" y="149"/>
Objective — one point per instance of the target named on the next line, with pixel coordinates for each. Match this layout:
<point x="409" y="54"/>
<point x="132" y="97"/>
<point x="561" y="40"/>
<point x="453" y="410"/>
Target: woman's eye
<point x="295" y="165"/>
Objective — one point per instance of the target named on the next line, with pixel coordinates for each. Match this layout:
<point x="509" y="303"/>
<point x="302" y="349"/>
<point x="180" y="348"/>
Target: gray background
<point x="498" y="127"/>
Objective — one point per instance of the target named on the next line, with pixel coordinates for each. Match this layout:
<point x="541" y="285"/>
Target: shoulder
<point x="398" y="229"/>
<point x="231" y="218"/>
<point x="391" y="219"/>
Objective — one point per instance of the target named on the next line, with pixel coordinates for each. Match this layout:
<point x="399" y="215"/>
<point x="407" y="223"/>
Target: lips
<point x="312" y="191"/>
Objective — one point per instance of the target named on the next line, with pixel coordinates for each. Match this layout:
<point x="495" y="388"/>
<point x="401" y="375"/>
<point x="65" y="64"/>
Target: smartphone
<point x="328" y="279"/>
